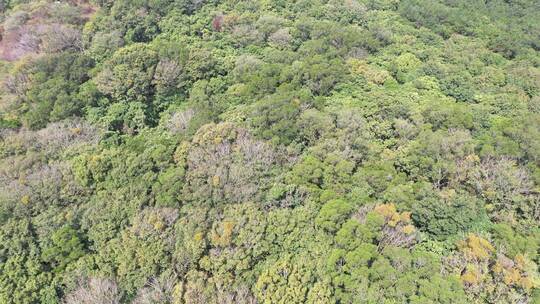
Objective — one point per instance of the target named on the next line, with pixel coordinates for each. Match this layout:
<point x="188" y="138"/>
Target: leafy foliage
<point x="189" y="151"/>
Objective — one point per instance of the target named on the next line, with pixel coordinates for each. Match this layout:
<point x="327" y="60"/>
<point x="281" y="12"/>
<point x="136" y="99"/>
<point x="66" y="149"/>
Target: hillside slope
<point x="253" y="151"/>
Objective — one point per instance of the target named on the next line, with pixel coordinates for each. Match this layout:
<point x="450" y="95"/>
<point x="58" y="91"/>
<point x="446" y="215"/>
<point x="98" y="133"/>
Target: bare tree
<point x="31" y="170"/>
<point x="94" y="291"/>
<point x="502" y="182"/>
<point x="227" y="163"/>
<point x="179" y="121"/>
<point x="168" y="74"/>
<point x="245" y="65"/>
<point x="59" y="37"/>
<point x="55" y="137"/>
<point x="28" y="42"/>
<point x="217" y="22"/>
<point x="15" y="20"/>
<point x="397" y="230"/>
<point x="17" y="83"/>
<point x="280" y="38"/>
<point x="241" y="295"/>
<point x="158" y="290"/>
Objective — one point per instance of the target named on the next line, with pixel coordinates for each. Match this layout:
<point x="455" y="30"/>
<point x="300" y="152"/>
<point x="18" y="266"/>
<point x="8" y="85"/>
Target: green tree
<point x="66" y="247"/>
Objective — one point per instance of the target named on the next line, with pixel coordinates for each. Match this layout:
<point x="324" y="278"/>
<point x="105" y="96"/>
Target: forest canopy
<point x="253" y="151"/>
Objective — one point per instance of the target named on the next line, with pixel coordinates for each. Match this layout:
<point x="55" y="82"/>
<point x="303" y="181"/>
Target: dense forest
<point x="269" y="151"/>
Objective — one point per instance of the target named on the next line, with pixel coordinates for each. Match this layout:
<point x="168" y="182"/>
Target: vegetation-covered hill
<point x="259" y="151"/>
